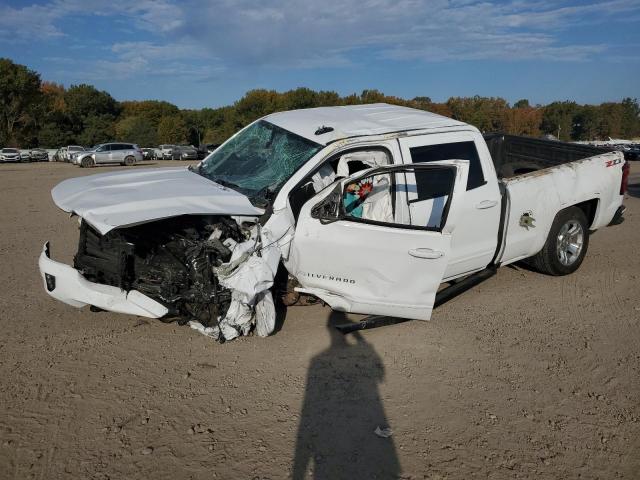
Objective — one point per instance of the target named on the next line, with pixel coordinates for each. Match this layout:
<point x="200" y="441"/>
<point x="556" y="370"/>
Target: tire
<point x="129" y="161"/>
<point x="87" y="162"/>
<point x="566" y="245"/>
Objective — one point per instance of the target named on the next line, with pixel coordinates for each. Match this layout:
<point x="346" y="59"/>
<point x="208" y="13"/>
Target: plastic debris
<point x="383" y="432"/>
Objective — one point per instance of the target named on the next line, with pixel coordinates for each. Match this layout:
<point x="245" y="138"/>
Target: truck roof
<point x="357" y="120"/>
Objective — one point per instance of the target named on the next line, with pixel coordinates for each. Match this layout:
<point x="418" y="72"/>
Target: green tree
<point x="221" y="124"/>
<point x="558" y="118"/>
<point x="631" y="117"/>
<point x="85" y="100"/>
<point x="196" y="122"/>
<point x="150" y="110"/>
<point x="96" y="129"/>
<point x="172" y="130"/>
<point x="136" y="130"/>
<point x="486" y="113"/>
<point x="587" y="123"/>
<point x="523" y="103"/>
<point x="256" y="104"/>
<point x="19" y="95"/>
<point x="92" y="114"/>
<point x="54" y="126"/>
<point x="54" y="134"/>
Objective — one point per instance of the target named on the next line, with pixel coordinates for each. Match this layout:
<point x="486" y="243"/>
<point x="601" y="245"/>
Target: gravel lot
<point x="526" y="376"/>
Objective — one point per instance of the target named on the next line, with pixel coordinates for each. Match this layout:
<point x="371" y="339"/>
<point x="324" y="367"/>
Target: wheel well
<point x="589" y="208"/>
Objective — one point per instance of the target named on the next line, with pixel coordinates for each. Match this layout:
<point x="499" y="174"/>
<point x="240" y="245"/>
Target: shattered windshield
<point x="259" y="160"/>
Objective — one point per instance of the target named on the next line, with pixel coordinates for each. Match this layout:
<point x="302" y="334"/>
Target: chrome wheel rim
<point x="570" y="242"/>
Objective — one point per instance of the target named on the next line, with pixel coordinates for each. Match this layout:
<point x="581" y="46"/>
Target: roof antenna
<point x="323" y="129"/>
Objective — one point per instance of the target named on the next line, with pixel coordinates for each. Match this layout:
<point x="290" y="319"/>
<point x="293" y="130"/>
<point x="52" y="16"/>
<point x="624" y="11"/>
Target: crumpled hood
<point x="110" y="200"/>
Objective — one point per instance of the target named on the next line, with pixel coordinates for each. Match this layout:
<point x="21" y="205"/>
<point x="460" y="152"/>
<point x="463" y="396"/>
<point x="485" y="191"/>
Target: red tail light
<point x="625" y="178"/>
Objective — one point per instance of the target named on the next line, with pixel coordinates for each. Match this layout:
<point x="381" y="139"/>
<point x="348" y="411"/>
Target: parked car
<point x="39" y="155"/>
<point x="375" y="209"/>
<point x="204" y="150"/>
<point x="59" y="155"/>
<point x="185" y="152"/>
<point x="9" y="155"/>
<point x="123" y="153"/>
<point x="148" y="154"/>
<point x="70" y="150"/>
<point x="166" y="152"/>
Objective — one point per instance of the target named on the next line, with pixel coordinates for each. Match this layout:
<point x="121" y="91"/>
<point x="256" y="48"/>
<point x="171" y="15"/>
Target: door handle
<point x="426" y="253"/>
<point x="486" y="204"/>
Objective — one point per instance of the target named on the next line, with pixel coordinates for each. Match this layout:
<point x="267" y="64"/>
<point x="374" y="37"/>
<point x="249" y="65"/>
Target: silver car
<point x="9" y="155"/>
<point x="167" y="152"/>
<point x="70" y="151"/>
<point x="123" y="153"/>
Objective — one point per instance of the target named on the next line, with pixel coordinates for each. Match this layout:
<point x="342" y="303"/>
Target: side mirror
<point x="329" y="209"/>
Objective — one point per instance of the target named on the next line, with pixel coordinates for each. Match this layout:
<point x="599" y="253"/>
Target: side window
<point x="343" y="164"/>
<point x="450" y="151"/>
<point x="371" y="198"/>
<point x="432" y="184"/>
<point x="375" y="199"/>
<point x="433" y="188"/>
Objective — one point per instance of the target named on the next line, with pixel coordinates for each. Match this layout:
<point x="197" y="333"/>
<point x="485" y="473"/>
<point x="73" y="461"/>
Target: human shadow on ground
<point x="341" y="410"/>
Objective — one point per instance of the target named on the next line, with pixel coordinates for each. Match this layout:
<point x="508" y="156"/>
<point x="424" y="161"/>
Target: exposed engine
<point x="170" y="260"/>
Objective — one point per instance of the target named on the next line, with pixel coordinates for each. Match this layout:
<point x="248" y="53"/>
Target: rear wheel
<point x="87" y="162"/>
<point x="566" y="245"/>
<point x="129" y="161"/>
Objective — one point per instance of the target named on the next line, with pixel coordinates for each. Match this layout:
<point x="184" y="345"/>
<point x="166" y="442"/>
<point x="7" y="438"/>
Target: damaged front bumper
<point x="67" y="284"/>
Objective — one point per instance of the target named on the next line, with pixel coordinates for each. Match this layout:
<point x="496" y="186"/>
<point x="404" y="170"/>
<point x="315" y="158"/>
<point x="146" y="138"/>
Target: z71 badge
<point x="611" y="163"/>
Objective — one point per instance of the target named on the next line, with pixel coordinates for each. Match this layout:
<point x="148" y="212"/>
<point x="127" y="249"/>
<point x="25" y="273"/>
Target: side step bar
<point x="452" y="291"/>
<point x="442" y="297"/>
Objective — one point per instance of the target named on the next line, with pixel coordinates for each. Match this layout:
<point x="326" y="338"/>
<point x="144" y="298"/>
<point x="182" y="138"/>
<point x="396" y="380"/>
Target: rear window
<point x="434" y="183"/>
<point x="75" y="149"/>
<point x="453" y="151"/>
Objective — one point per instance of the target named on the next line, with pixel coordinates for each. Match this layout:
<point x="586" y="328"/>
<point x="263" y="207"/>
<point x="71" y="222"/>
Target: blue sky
<point x="209" y="53"/>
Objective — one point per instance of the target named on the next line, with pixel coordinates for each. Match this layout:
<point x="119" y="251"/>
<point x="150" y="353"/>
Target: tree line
<point x="35" y="112"/>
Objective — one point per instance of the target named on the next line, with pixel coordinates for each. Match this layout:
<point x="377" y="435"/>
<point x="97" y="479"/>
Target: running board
<point x="442" y="297"/>
<point x="452" y="291"/>
<point x="370" y="322"/>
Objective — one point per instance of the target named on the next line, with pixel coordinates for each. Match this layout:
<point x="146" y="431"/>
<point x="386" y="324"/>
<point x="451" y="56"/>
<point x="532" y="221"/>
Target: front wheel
<point x="129" y="161"/>
<point x="566" y="245"/>
<point x="87" y="162"/>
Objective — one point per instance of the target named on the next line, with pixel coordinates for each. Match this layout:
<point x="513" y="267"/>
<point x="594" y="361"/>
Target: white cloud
<point x="288" y="32"/>
<point x="129" y="60"/>
<point x="28" y="22"/>
<point x="292" y="33"/>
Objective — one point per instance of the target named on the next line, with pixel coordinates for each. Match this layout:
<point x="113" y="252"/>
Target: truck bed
<point x="514" y="155"/>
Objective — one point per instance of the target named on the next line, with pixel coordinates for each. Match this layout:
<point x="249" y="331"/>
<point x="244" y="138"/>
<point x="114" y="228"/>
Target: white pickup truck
<point x="370" y="208"/>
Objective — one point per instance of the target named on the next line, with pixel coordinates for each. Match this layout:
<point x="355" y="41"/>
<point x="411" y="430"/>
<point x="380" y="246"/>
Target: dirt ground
<point x="525" y="376"/>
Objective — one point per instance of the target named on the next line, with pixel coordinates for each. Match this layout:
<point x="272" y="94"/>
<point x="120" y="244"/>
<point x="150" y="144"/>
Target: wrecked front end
<point x="189" y="269"/>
